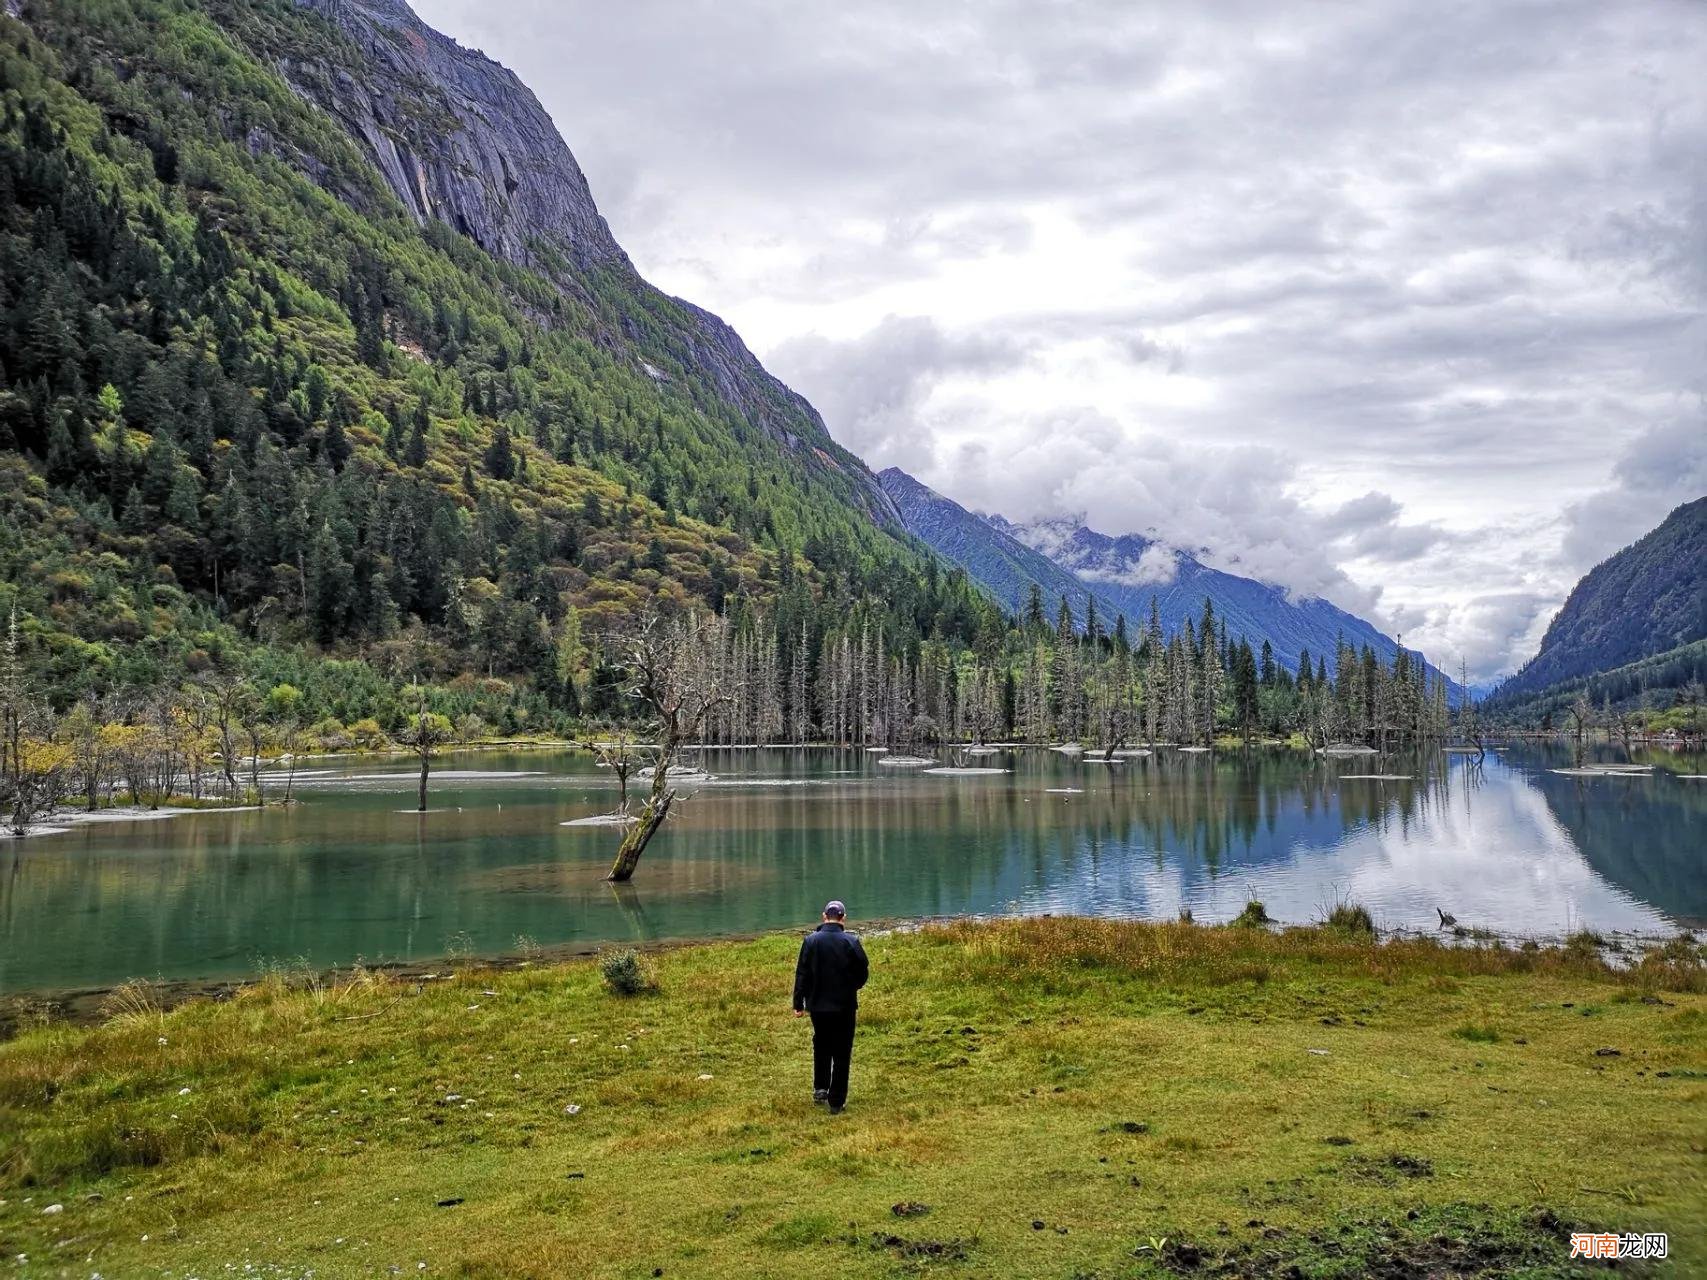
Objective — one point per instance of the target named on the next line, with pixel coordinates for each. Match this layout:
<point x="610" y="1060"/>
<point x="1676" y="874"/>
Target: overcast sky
<point x="1398" y="303"/>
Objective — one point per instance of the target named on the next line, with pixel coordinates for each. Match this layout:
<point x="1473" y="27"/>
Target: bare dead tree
<point x="427" y="731"/>
<point x="227" y="692"/>
<point x="622" y="757"/>
<point x="674" y="674"/>
<point x="1581" y="712"/>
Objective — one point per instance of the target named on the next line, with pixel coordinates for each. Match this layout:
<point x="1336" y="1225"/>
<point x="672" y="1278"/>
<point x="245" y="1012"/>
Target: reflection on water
<point x="351" y="873"/>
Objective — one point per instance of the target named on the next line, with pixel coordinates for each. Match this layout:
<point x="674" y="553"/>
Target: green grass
<point x="1047" y="1098"/>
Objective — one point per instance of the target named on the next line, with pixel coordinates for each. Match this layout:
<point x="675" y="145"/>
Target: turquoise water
<point x="350" y="873"/>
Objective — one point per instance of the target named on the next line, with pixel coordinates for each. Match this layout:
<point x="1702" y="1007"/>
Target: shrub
<point x="1478" y="1034"/>
<point x="626" y="974"/>
<point x="1350" y="917"/>
<point x="367" y="734"/>
<point x="1254" y="916"/>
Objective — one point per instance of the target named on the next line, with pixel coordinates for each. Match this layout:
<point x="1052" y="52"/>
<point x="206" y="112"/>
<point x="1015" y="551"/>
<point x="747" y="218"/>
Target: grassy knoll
<point x="1049" y="1098"/>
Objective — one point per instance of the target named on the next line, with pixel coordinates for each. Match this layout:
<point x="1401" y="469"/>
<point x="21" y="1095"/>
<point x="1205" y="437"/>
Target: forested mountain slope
<point x="314" y="342"/>
<point x="1648" y="599"/>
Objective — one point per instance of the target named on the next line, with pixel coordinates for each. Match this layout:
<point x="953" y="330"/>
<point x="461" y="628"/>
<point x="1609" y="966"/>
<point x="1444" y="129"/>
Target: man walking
<point x="827" y="978"/>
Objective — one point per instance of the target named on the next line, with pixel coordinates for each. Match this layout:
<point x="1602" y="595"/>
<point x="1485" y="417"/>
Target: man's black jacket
<point x="831" y="970"/>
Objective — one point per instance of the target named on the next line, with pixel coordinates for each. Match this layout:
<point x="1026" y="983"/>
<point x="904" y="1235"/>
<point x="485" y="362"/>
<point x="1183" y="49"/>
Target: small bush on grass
<point x="626" y="974"/>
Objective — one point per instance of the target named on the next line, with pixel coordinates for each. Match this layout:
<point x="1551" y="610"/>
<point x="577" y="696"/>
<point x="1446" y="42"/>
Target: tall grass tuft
<point x="1254" y="916"/>
<point x="130" y="1000"/>
<point x="1351" y="917"/>
<point x="1585" y="942"/>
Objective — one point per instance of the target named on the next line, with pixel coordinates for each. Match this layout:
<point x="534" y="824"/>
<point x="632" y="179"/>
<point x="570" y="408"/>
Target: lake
<point x="351" y="873"/>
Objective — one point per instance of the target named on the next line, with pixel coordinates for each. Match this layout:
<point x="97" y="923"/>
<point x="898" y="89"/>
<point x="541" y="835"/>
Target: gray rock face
<point x="458" y="137"/>
<point x="460" y="140"/>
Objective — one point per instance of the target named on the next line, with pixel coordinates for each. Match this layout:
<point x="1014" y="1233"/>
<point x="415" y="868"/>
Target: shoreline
<point x="64" y="821"/>
<point x="83" y="1006"/>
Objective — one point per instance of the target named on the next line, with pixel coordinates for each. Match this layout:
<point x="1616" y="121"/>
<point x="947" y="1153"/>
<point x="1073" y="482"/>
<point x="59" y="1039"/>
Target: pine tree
<point x="337" y="444"/>
<point x="415" y="455"/>
<point x="500" y="456"/>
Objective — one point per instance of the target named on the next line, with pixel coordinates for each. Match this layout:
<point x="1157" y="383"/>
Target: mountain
<point x="314" y="346"/>
<point x="1004" y="566"/>
<point x="1648" y="600"/>
<point x="462" y="141"/>
<point x="1125" y="575"/>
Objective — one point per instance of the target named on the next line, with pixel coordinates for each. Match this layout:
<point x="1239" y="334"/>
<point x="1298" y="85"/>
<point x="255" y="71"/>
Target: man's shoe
<point x="820" y="1095"/>
<point x="836" y="1108"/>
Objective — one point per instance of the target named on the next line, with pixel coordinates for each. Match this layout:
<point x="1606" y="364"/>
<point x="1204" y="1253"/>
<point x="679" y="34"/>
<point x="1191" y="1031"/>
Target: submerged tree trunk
<point x="639" y="835"/>
<point x="425" y="765"/>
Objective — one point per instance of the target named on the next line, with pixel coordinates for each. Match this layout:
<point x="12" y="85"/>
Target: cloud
<point x="873" y="387"/>
<point x="1359" y="297"/>
<point x="1155" y="565"/>
<point x="1372" y="528"/>
<point x="1233" y="508"/>
<point x="1659" y="470"/>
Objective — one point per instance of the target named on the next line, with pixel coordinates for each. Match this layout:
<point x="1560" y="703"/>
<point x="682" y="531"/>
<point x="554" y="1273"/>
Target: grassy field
<point x="1049" y="1098"/>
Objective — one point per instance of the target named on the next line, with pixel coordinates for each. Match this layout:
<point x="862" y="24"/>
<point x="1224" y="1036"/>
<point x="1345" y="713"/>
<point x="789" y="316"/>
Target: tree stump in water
<point x="640" y="834"/>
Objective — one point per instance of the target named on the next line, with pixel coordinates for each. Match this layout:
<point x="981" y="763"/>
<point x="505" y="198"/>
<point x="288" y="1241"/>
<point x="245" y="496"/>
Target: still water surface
<point x="350" y="873"/>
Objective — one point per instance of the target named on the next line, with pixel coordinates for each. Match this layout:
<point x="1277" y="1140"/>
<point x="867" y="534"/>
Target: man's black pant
<point x="832" y="1046"/>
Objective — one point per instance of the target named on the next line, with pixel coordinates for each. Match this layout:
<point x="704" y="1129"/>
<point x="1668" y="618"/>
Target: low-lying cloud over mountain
<point x="1397" y="302"/>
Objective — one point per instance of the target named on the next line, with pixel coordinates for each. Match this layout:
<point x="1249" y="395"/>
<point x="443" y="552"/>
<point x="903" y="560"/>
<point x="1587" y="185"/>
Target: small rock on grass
<point x="909" y="1209"/>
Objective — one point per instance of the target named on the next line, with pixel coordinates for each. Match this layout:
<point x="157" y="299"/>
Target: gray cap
<point x="835" y="907"/>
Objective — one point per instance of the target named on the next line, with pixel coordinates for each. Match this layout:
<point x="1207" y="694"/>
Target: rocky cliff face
<point x="460" y="140"/>
<point x="457" y="136"/>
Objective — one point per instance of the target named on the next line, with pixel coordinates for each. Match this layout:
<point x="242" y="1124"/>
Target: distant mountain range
<point x="1649" y="599"/>
<point x="1002" y="565"/>
<point x="1122" y="574"/>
